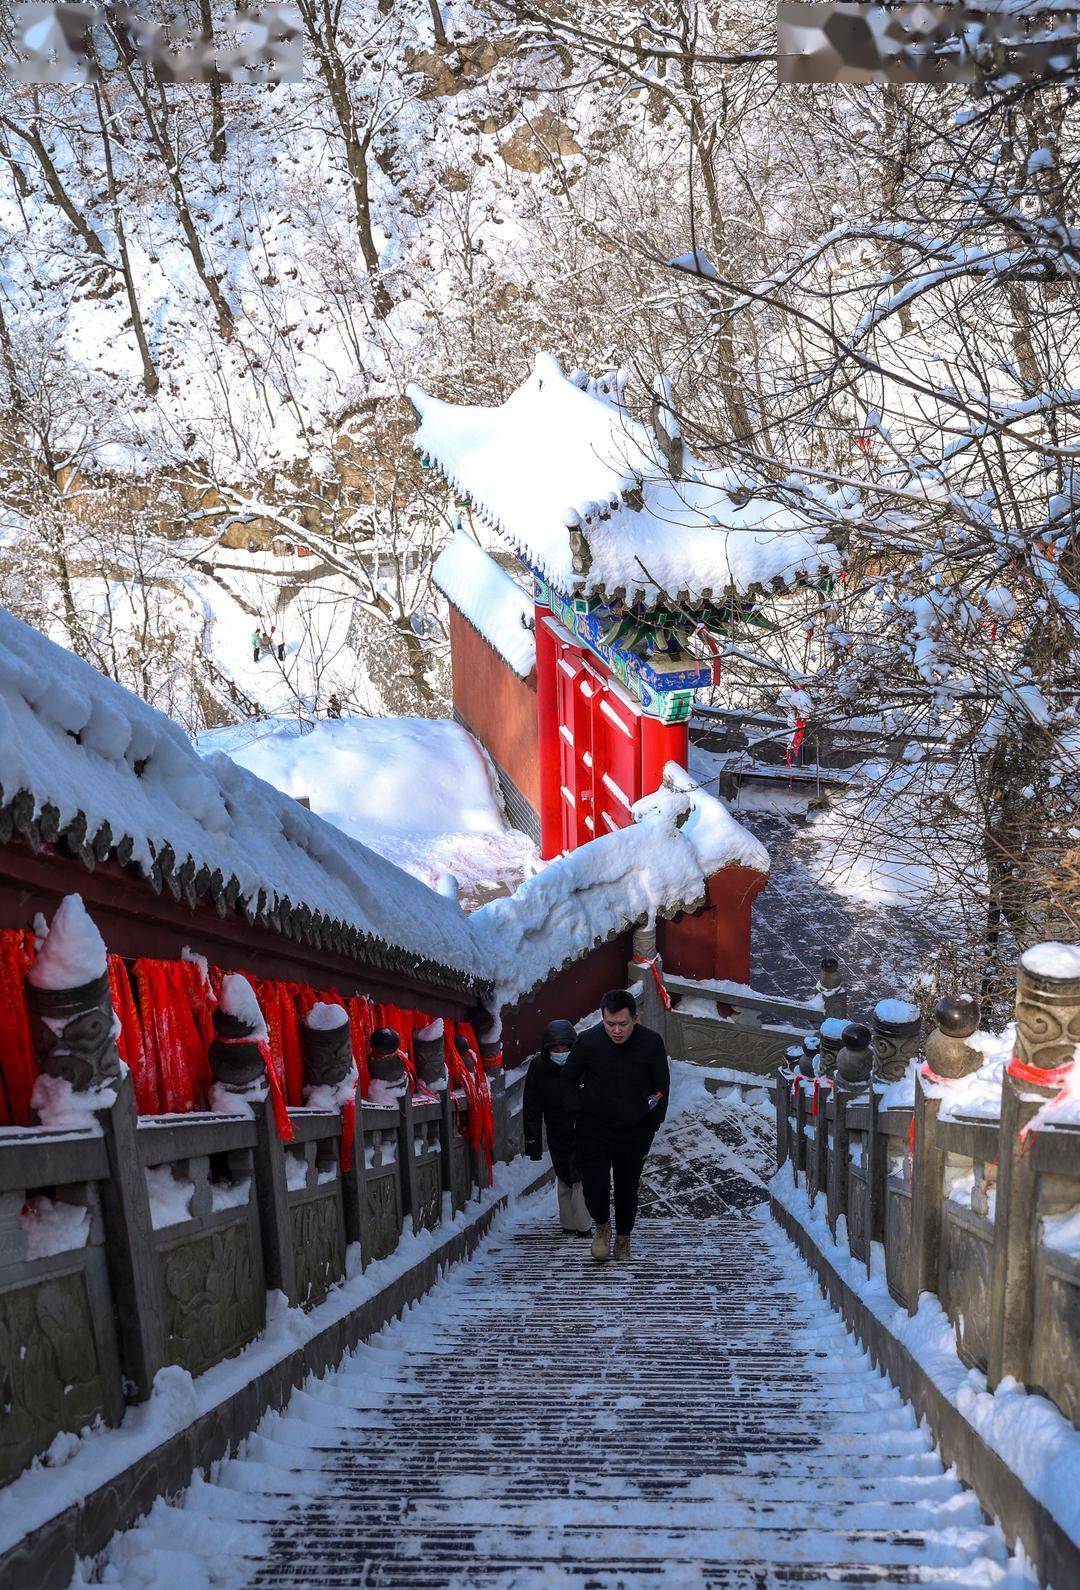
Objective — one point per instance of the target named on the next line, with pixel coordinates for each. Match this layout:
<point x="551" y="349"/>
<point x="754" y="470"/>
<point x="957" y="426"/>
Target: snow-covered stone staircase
<point x="696" y="1417"/>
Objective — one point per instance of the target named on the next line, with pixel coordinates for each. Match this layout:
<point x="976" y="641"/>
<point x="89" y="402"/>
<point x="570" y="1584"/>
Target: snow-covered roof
<point x="84" y="758"/>
<point x="583" y="493"/>
<point x="490" y="600"/>
<point x="658" y="866"/>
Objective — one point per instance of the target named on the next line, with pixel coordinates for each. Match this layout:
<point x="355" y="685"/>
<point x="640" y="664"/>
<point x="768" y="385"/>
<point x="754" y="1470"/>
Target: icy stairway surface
<point x="697" y="1416"/>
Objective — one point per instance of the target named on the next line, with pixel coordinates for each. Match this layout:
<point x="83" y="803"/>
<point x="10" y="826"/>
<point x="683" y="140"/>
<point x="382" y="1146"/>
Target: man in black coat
<point x="616" y="1084"/>
<point x="543" y="1105"/>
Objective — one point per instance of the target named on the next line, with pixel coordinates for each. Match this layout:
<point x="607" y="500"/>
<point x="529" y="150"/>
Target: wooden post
<point x="927" y="1176"/>
<point x="821" y="1140"/>
<point x="407" y="1157"/>
<point x="134" y="1273"/>
<point x="272" y="1197"/>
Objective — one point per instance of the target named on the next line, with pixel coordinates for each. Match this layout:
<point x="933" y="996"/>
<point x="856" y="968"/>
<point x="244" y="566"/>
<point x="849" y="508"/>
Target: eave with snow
<point x="102" y="795"/>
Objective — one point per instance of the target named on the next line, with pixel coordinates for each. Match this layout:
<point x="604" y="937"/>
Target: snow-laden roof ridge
<point x="489" y="599"/>
<point x="655" y="868"/>
<point x="582" y="493"/>
<point x="86" y="761"/>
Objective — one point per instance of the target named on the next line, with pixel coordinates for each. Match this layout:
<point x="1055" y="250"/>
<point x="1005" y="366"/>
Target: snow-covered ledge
<point x="1013" y="1447"/>
<point x="680" y="838"/>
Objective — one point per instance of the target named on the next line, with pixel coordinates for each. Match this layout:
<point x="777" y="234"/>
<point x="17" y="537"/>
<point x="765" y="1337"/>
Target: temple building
<point x="639" y="558"/>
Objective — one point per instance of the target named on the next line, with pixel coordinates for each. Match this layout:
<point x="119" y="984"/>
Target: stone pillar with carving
<point x="386" y="1064"/>
<point x="429" y="1052"/>
<point x="237" y="1052"/>
<point x="326" y="1045"/>
<point x="71" y="1013"/>
<point x="1047" y="1035"/>
<point x="488" y="1030"/>
<point x="956" y="1017"/>
<point x="1047" y="1010"/>
<point x="897" y="1035"/>
<point x="808" y="1059"/>
<point x="75" y="1031"/>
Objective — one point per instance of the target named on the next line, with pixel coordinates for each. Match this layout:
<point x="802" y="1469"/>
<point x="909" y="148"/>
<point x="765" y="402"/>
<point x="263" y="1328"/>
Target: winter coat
<point x="543" y="1105"/>
<point x="607" y="1086"/>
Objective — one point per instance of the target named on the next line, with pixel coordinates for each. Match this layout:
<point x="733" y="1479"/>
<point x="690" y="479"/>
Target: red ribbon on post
<point x="665" y="997"/>
<point x="1020" y="1071"/>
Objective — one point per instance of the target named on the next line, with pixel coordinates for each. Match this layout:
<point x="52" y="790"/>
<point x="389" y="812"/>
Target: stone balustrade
<point x="136" y="1243"/>
<point x="973" y="1207"/>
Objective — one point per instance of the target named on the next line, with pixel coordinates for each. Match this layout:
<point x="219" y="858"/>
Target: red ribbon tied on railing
<point x="665" y="997"/>
<point x="1020" y="1071"/>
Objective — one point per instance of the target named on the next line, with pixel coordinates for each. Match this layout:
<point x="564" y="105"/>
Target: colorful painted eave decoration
<point x="664" y="689"/>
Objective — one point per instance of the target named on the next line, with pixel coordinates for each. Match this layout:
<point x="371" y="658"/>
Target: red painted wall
<point x="498" y="707"/>
<point x="571" y="994"/>
<point x="715" y="941"/>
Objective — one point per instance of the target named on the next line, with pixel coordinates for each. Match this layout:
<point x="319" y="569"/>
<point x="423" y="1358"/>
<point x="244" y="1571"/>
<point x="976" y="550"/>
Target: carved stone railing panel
<point x="318" y="1233"/>
<point x="967" y="1241"/>
<point x="215" y="1296"/>
<point x="59" y="1365"/>
<point x="1055" y="1349"/>
<point x="382" y="1214"/>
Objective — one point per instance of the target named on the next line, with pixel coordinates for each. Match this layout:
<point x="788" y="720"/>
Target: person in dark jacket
<point x="543" y="1105"/>
<point x="615" y="1084"/>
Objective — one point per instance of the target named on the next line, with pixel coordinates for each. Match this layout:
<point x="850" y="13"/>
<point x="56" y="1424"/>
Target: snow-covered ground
<point x="419" y="791"/>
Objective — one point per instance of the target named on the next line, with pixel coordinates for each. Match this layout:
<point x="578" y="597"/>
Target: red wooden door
<point x="617" y="753"/>
<point x="577" y="685"/>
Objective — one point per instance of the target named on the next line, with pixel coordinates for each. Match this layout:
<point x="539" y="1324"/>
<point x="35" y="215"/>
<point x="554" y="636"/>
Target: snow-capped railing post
<point x="75" y="1039"/>
<point x="1047" y="1039"/>
<point x="948" y="1054"/>
<point x="852" y="1075"/>
<point x="651" y="1008"/>
<point x="331" y="1083"/>
<point x="239" y="1066"/>
<point x="831" y="987"/>
<point x="897" y="1036"/>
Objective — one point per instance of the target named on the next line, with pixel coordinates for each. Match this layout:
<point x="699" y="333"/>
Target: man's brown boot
<point x="601" y="1243"/>
<point x="622" y="1246"/>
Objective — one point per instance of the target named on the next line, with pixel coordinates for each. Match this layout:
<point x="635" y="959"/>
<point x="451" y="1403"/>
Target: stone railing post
<point x="853" y="1061"/>
<point x="77" y="1055"/>
<point x="783" y="1103"/>
<point x="956" y="1017"/>
<point x="897" y="1033"/>
<point x="354" y="1184"/>
<point x="407" y="1158"/>
<point x="499" y="1107"/>
<point x="651" y="1009"/>
<point x="1047" y="1035"/>
<point x="239" y="1068"/>
<point x="927" y="1177"/>
<point x="830" y="987"/>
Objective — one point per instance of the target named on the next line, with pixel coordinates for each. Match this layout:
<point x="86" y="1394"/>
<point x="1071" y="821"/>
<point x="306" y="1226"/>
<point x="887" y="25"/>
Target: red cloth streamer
<point x="348" y="1133"/>
<point x="277" y="1098"/>
<point x="174" y="1011"/>
<point x="18" y="1066"/>
<point x="480" y="1123"/>
<point x="797" y="738"/>
<point x="824" y="1082"/>
<point x="1020" y="1071"/>
<point x="665" y="997"/>
<point x="130" y="1039"/>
